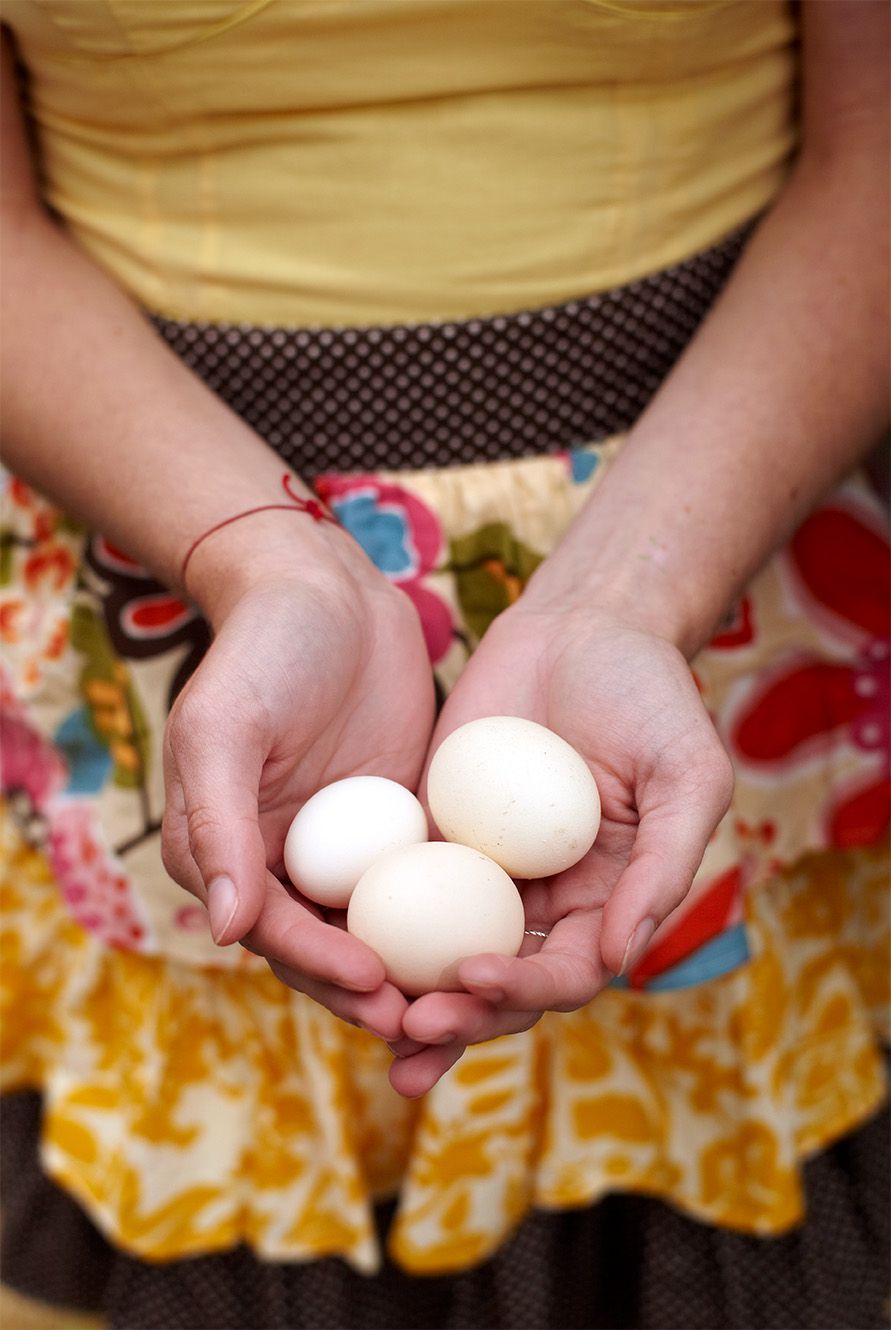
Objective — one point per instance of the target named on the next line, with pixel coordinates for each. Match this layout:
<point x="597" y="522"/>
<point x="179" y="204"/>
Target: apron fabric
<point x="192" y="1104"/>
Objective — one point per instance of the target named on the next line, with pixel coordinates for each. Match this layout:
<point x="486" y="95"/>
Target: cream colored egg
<point x="343" y="828"/>
<point x="517" y="792"/>
<point x="426" y="908"/>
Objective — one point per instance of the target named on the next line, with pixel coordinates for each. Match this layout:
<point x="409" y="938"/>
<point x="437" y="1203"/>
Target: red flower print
<point x="142" y="617"/>
<point x="839" y="567"/>
<point x="49" y="564"/>
<point x="716" y="909"/>
<point x="737" y="629"/>
<point x="840" y="556"/>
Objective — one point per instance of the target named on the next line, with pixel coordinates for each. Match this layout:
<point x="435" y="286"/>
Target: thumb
<point x="212" y="841"/>
<point x="671" y="840"/>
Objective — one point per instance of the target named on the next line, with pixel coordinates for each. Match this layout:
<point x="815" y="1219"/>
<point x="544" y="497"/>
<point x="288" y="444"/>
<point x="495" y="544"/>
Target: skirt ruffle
<point x="192" y="1110"/>
<point x="193" y="1104"/>
<point x="628" y="1261"/>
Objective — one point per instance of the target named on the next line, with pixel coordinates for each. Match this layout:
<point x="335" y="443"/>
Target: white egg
<point x="426" y="908"/>
<point x="343" y="828"/>
<point x="517" y="792"/>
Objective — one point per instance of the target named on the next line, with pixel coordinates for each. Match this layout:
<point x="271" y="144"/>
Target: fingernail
<point x="369" y="1029"/>
<point x="444" y="1037"/>
<point x="486" y="974"/>
<point x="222" y="902"/>
<point x="637" y="944"/>
<point x="401" y="1048"/>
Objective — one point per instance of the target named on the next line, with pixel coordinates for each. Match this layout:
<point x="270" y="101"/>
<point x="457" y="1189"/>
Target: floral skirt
<point x="192" y="1104"/>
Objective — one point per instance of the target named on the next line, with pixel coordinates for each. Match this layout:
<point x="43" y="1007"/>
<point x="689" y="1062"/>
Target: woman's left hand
<point x="625" y="699"/>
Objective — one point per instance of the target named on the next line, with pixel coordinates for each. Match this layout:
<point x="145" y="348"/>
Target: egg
<point x="517" y="792"/>
<point x="343" y="829"/>
<point x="426" y="908"/>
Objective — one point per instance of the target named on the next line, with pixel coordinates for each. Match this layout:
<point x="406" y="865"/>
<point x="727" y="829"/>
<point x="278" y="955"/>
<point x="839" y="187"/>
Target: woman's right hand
<point x="312" y="676"/>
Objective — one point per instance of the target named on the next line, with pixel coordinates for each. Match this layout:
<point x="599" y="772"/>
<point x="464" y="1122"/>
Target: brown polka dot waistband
<point x="439" y="394"/>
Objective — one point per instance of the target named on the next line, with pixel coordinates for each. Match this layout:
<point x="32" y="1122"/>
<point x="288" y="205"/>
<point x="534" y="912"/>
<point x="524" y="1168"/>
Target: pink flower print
<point x="31" y="772"/>
<point x="94" y="884"/>
<point x="191" y="918"/>
<point x="398" y="532"/>
<point x="29" y="763"/>
<point x="402" y="537"/>
<point x="435" y="616"/>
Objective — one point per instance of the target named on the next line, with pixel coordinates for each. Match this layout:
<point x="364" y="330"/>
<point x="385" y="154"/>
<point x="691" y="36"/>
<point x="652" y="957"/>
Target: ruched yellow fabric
<point x="299" y="162"/>
<point x="194" y="1102"/>
<point x="190" y="1110"/>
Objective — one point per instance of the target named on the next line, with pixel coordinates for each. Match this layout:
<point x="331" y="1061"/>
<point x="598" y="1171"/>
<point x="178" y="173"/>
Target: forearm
<point x="102" y="417"/>
<point x="784" y="387"/>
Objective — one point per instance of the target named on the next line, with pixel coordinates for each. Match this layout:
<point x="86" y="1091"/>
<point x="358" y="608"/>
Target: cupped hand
<point x="625" y="699"/>
<point x="309" y="679"/>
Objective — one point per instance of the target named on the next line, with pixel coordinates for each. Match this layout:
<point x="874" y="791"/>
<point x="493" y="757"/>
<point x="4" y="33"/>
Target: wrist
<point x="267" y="549"/>
<point x="641" y="591"/>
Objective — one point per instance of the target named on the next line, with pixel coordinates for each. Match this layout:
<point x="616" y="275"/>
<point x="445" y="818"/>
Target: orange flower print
<point x="10" y="620"/>
<point x="743" y="1173"/>
<point x="50" y="566"/>
<point x="19" y="493"/>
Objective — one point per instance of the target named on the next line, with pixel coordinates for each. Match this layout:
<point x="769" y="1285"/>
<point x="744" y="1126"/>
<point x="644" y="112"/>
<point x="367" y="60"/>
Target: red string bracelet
<point x="317" y="511"/>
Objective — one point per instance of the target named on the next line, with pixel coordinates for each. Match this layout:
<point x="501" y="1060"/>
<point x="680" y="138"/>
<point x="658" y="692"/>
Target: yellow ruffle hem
<point x="192" y="1109"/>
<point x="193" y="1102"/>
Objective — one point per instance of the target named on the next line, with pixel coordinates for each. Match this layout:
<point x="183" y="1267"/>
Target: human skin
<point x="781" y="390"/>
<point x="318" y="667"/>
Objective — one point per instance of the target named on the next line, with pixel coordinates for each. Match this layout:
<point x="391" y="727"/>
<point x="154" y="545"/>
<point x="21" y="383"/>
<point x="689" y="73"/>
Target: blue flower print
<point x="87" y="758"/>
<point x="382" y="531"/>
<point x="582" y="464"/>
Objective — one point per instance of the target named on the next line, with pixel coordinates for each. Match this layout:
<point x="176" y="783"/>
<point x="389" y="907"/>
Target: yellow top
<point x="324" y="162"/>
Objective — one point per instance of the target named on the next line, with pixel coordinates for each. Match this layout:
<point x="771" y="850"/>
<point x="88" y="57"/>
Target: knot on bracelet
<point x="296" y="504"/>
<point x="317" y="511"/>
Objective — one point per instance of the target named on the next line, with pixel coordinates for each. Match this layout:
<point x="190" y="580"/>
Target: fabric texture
<point x="476" y="390"/>
<point x="95" y="651"/>
<point x="666" y="1272"/>
<point x="190" y="1110"/>
<point x="241" y="160"/>
<point x="193" y="1103"/>
<point x="193" y="1106"/>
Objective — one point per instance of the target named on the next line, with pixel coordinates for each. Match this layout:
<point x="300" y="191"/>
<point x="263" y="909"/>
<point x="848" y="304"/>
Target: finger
<point x="292" y="934"/>
<point x="380" y="1012"/>
<point x="564" y="975"/>
<point x="417" y="1074"/>
<point x="175" y="852"/>
<point x="668" y="849"/>
<point x="461" y="1018"/>
<point x="403" y="1047"/>
<point x="218" y="775"/>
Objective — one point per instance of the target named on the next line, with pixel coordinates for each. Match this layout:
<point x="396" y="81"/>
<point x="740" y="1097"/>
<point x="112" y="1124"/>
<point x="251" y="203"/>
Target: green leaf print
<point x="490" y="567"/>
<point x="8" y="543"/>
<point x="116" y="714"/>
